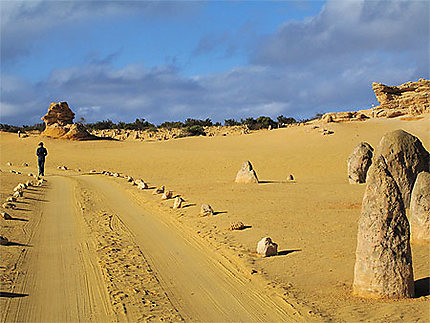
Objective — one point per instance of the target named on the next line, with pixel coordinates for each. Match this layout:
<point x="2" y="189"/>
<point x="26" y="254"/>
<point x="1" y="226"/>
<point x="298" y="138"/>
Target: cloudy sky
<point x="166" y="61"/>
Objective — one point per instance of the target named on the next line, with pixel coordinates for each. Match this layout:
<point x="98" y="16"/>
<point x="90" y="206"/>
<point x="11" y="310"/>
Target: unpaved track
<point x="61" y="275"/>
<point x="64" y="282"/>
<point x="202" y="285"/>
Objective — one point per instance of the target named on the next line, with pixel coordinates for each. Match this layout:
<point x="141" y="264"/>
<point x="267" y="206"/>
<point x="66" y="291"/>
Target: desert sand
<point x="89" y="247"/>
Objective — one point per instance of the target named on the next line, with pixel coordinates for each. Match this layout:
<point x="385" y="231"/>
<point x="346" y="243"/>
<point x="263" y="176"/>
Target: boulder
<point x="383" y="265"/>
<point x="266" y="247"/>
<point x="246" y="174"/>
<point x="419" y="214"/>
<point x="410" y="98"/>
<point x="359" y="162"/>
<point x="405" y="157"/>
<point x="206" y="210"/>
<point x="59" y="123"/>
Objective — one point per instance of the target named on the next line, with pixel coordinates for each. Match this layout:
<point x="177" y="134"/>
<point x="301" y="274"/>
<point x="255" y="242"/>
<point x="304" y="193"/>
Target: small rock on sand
<point x="178" y="202"/>
<point x="142" y="185"/>
<point x="167" y="195"/>
<point x="206" y="210"/>
<point x="3" y="241"/>
<point x="237" y="225"/>
<point x="266" y="247"/>
<point x="160" y="190"/>
<point x="6" y="216"/>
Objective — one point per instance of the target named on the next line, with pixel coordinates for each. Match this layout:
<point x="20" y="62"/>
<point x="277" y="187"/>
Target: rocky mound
<point x="59" y="123"/>
<point x="411" y="98"/>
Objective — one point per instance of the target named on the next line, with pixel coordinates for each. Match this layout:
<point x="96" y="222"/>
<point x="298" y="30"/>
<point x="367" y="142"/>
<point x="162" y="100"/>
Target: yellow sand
<point x="313" y="219"/>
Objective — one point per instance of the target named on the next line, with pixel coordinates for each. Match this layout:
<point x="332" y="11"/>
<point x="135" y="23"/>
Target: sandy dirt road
<point x="65" y="283"/>
<point x="61" y="275"/>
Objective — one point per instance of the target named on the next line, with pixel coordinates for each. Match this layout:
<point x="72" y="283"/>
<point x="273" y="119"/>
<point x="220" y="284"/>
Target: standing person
<point x="41" y="153"/>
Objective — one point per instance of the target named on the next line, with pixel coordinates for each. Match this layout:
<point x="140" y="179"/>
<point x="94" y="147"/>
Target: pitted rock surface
<point x="359" y="162"/>
<point x="383" y="266"/>
<point x="419" y="214"/>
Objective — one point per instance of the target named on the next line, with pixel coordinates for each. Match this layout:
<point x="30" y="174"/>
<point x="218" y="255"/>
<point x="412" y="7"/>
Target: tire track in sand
<point x="60" y="273"/>
<point x="199" y="283"/>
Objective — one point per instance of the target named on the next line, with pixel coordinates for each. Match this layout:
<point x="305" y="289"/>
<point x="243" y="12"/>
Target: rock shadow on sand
<point x="12" y="295"/>
<point x="422" y="287"/>
<point x="11" y="243"/>
<point x="287" y="252"/>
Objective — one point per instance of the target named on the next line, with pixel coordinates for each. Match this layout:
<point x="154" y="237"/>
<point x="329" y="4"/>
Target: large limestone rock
<point x="383" y="266"/>
<point x="419" y="214"/>
<point x="359" y="162"/>
<point x="411" y="98"/>
<point x="59" y="123"/>
<point x="266" y="247"/>
<point x="405" y="157"/>
<point x="246" y="174"/>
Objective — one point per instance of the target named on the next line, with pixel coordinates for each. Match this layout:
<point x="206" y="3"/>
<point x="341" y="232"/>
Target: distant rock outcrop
<point x="383" y="266"/>
<point x="359" y="162"/>
<point x="405" y="157"/>
<point x="411" y="98"/>
<point x="59" y="123"/>
<point x="419" y="214"/>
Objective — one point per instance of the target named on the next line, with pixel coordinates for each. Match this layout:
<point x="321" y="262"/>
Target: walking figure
<point x="41" y="153"/>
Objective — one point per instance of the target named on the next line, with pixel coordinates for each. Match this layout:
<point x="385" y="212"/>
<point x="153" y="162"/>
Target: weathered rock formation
<point x="266" y="247"/>
<point x="359" y="162"/>
<point x="411" y="98"/>
<point x="59" y="123"/>
<point x="419" y="214"/>
<point x="347" y="116"/>
<point x="383" y="266"/>
<point x="246" y="174"/>
<point x="405" y="157"/>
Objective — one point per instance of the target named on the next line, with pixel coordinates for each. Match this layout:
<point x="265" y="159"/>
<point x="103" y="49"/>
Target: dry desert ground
<point x="89" y="247"/>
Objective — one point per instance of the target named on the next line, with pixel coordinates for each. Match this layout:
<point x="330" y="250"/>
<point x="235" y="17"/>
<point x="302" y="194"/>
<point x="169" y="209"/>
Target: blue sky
<point x="166" y="61"/>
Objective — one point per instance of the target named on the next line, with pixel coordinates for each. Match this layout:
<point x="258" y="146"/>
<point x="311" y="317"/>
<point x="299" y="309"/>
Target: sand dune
<point x="313" y="219"/>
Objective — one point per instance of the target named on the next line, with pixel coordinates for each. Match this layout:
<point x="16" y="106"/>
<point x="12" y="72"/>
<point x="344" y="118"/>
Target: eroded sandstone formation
<point x="383" y="266"/>
<point x="246" y="174"/>
<point x="59" y="123"/>
<point x="411" y="98"/>
<point x="405" y="157"/>
<point x="359" y="162"/>
<point x="419" y="214"/>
